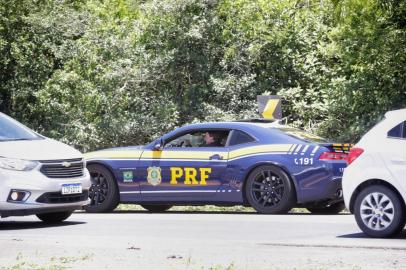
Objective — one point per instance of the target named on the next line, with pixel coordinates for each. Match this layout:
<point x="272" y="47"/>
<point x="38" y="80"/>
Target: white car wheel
<point x="379" y="212"/>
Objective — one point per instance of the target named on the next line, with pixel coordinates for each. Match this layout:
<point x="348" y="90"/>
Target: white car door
<point x="395" y="153"/>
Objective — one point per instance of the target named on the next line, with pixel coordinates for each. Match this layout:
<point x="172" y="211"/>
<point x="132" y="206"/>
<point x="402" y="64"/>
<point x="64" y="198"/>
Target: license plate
<point x="71" y="189"/>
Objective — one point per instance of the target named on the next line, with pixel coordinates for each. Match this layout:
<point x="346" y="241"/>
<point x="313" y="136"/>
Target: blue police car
<point x="265" y="165"/>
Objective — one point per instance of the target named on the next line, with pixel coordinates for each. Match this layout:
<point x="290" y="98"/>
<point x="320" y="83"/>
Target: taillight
<point x="333" y="156"/>
<point x="354" y="154"/>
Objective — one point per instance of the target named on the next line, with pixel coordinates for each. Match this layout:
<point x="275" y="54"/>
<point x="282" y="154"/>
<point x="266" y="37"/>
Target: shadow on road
<point x="402" y="236"/>
<point x="175" y="212"/>
<point x="197" y="212"/>
<point x="27" y="225"/>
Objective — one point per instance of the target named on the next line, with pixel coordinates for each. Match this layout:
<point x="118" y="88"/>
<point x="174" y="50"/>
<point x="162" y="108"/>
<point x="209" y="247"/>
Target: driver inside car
<point x="212" y="139"/>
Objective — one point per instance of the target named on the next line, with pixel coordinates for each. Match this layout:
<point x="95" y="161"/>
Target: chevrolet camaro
<point x="265" y="165"/>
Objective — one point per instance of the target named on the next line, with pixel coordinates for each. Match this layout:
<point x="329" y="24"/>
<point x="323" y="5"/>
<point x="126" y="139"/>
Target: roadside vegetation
<point x="100" y="73"/>
<point x="55" y="263"/>
<point x="207" y="208"/>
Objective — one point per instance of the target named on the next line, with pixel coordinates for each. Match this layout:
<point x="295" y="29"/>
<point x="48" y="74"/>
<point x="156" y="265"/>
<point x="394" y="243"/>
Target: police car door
<point x="185" y="168"/>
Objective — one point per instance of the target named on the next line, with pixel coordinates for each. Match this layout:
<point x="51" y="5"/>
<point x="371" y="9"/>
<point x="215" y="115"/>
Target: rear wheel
<point x="103" y="194"/>
<point x="156" y="208"/>
<point x="269" y="190"/>
<point x="54" y="217"/>
<point x="379" y="211"/>
<point x="327" y="210"/>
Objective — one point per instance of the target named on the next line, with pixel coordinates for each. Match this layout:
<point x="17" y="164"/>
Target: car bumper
<point x="42" y="194"/>
<point x="349" y="185"/>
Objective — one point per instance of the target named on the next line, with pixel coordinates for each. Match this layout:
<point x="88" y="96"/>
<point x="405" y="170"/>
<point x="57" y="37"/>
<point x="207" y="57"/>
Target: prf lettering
<point x="190" y="175"/>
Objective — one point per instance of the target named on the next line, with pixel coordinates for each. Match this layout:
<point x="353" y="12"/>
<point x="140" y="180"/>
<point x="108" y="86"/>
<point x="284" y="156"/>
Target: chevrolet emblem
<point x="66" y="164"/>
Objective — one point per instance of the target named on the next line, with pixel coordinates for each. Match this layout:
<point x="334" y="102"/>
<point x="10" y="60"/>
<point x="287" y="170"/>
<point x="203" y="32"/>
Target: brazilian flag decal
<point x="128" y="176"/>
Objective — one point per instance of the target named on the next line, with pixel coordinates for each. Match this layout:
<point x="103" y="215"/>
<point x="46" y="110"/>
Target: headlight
<point x="17" y="164"/>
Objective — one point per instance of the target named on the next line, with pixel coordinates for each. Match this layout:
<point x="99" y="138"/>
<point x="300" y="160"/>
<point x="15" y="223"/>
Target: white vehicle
<point x="374" y="183"/>
<point x="39" y="175"/>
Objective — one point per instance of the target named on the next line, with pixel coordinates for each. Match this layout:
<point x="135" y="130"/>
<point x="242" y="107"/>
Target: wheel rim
<point x="267" y="189"/>
<point x="99" y="189"/>
<point x="377" y="211"/>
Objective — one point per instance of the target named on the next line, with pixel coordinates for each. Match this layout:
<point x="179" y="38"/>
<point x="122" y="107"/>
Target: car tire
<point x="156" y="208"/>
<point x="103" y="194"/>
<point x="327" y="210"/>
<point x="379" y="211"/>
<point x="269" y="190"/>
<point x="55" y="217"/>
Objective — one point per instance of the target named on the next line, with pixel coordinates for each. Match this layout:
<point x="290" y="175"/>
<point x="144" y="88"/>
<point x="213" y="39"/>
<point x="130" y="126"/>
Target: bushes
<point x="121" y="72"/>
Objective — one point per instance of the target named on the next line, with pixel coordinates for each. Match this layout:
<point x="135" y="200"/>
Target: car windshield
<point x="11" y="130"/>
<point x="302" y="135"/>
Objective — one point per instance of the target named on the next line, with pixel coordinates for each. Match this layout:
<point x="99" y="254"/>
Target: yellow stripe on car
<point x="198" y="155"/>
<point x="204" y="155"/>
<point x="284" y="148"/>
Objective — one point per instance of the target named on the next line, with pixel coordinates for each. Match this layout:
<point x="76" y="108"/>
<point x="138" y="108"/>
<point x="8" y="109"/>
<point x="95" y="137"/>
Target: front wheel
<point x="156" y="208"/>
<point x="379" y="211"/>
<point x="54" y="217"/>
<point x="327" y="210"/>
<point x="103" y="194"/>
<point x="269" y="190"/>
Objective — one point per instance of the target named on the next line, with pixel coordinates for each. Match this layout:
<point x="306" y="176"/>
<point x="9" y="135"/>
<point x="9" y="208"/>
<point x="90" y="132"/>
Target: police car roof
<point x="263" y="131"/>
<point x="232" y="125"/>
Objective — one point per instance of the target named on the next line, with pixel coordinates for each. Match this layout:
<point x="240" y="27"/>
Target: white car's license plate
<point x="71" y="189"/>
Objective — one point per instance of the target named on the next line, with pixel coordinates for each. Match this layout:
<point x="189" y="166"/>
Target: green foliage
<point x="370" y="46"/>
<point x="103" y="73"/>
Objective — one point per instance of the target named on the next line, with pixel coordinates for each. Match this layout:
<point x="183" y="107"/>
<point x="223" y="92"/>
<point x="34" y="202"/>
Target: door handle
<point x="398" y="160"/>
<point x="216" y="157"/>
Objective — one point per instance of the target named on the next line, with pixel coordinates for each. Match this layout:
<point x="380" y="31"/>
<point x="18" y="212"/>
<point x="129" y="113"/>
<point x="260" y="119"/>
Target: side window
<point x="200" y="138"/>
<point x="404" y="130"/>
<point x="397" y="131"/>
<point x="186" y="140"/>
<point x="240" y="137"/>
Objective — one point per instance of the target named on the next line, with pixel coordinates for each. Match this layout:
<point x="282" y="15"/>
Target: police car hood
<point x="116" y="152"/>
<point x="43" y="149"/>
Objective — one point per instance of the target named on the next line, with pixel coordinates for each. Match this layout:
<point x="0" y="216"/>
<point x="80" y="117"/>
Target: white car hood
<point x="46" y="149"/>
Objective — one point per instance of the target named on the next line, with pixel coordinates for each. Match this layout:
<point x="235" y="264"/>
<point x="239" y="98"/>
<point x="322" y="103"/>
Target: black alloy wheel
<point x="103" y="193"/>
<point x="269" y="190"/>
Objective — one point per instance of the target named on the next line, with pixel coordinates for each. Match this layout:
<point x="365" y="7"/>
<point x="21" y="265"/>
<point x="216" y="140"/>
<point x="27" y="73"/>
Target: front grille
<point x="62" y="168"/>
<point x="57" y="197"/>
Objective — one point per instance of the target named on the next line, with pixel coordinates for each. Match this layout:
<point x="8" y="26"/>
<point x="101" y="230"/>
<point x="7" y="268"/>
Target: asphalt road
<point x="182" y="240"/>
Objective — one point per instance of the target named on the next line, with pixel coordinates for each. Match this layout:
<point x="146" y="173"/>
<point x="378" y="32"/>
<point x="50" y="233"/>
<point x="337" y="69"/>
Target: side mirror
<point x="159" y="145"/>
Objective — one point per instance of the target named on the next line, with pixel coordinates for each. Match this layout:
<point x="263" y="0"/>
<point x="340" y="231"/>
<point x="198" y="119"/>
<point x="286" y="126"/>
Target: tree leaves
<point x="119" y="72"/>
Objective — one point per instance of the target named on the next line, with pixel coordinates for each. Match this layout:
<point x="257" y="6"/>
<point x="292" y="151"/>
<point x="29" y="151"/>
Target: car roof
<point x="264" y="132"/>
<point x="396" y="114"/>
<point x="229" y="125"/>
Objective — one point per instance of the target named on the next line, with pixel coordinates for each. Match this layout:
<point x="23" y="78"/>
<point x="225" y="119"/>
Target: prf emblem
<point x="154" y="176"/>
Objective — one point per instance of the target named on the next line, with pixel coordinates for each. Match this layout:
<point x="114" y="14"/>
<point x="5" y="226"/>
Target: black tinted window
<point x="396" y="132"/>
<point x="240" y="137"/>
<point x="404" y="130"/>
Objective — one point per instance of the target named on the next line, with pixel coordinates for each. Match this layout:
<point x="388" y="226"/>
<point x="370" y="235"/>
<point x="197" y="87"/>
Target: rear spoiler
<point x="338" y="147"/>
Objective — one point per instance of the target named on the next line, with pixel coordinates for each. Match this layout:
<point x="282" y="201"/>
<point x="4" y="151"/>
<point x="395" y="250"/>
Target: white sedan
<point x="374" y="183"/>
<point x="39" y="176"/>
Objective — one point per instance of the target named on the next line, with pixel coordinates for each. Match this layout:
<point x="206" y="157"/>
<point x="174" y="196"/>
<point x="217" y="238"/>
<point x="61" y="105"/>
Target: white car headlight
<point x="17" y="164"/>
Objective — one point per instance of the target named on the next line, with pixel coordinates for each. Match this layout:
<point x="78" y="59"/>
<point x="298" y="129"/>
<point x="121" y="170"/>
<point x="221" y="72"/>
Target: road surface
<point x="190" y="240"/>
